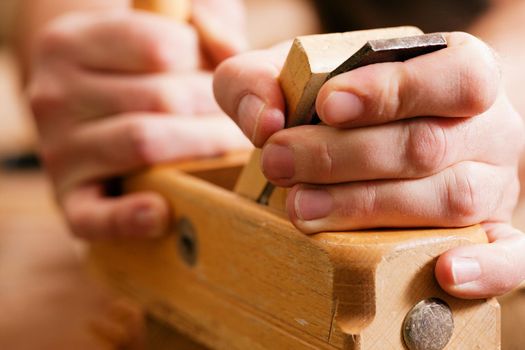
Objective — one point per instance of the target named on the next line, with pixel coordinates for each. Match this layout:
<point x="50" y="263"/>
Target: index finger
<point x="248" y="90"/>
<point x="462" y="80"/>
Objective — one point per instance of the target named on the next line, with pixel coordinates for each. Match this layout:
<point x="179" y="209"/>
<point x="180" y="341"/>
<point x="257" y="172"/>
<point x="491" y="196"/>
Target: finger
<point x="465" y="194"/>
<point x="90" y="95"/>
<point x="116" y="146"/>
<point x="247" y="89"/>
<point x="93" y="216"/>
<point x="462" y="80"/>
<point x="221" y="25"/>
<point x="410" y="149"/>
<point x="484" y="270"/>
<point x="122" y="41"/>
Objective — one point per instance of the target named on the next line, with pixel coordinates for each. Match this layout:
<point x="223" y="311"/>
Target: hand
<point x="432" y="141"/>
<point x="115" y="92"/>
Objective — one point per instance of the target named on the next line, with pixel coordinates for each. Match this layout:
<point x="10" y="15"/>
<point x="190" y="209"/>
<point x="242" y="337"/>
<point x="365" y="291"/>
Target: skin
<point x="101" y="116"/>
<point x="93" y="126"/>
<point x="405" y="171"/>
<point x="77" y="97"/>
<point x="92" y="130"/>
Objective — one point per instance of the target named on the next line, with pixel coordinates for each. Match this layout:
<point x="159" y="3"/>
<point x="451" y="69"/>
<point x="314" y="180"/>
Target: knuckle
<point x="142" y="144"/>
<point x="325" y="161"/>
<point x="369" y="201"/>
<point x="393" y="102"/>
<point x="364" y="205"/>
<point x="53" y="161"/>
<point x="153" y="51"/>
<point x="49" y="155"/>
<point x="426" y="148"/>
<point x="45" y="98"/>
<point x="480" y="77"/>
<point x="386" y="81"/>
<point x="79" y="221"/>
<point x="464" y="196"/>
<point x="58" y="36"/>
<point x="158" y="40"/>
<point x="52" y="40"/>
<point x="511" y="263"/>
<point x="171" y="96"/>
<point x="147" y="96"/>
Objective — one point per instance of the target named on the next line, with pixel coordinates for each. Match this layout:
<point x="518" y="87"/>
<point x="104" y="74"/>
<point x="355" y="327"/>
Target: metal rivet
<point x="187" y="241"/>
<point x="429" y="325"/>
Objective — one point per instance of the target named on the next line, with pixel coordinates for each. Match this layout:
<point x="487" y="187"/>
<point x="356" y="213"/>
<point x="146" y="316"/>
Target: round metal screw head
<point x="428" y="326"/>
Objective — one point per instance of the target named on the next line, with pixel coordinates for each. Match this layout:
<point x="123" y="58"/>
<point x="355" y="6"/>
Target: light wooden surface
<point x="260" y="284"/>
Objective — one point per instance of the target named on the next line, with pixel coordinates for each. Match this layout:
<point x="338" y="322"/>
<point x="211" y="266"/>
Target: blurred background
<point x="16" y="135"/>
<point x="48" y="299"/>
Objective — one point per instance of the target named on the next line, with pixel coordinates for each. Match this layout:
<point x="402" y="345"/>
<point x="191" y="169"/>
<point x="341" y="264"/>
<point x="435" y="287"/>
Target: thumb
<point x="221" y="25"/>
<point x="484" y="270"/>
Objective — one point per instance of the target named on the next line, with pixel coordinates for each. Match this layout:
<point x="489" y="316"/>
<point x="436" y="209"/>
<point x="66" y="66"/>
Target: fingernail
<point x="313" y="204"/>
<point x="249" y="111"/>
<point x="147" y="221"/>
<point x="341" y="107"/>
<point x="278" y="162"/>
<point x="465" y="270"/>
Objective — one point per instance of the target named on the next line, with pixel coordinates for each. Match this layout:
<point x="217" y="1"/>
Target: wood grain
<point x="260" y="284"/>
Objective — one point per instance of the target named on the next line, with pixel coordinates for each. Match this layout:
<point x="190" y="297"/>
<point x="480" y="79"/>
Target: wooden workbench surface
<point x="45" y="290"/>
